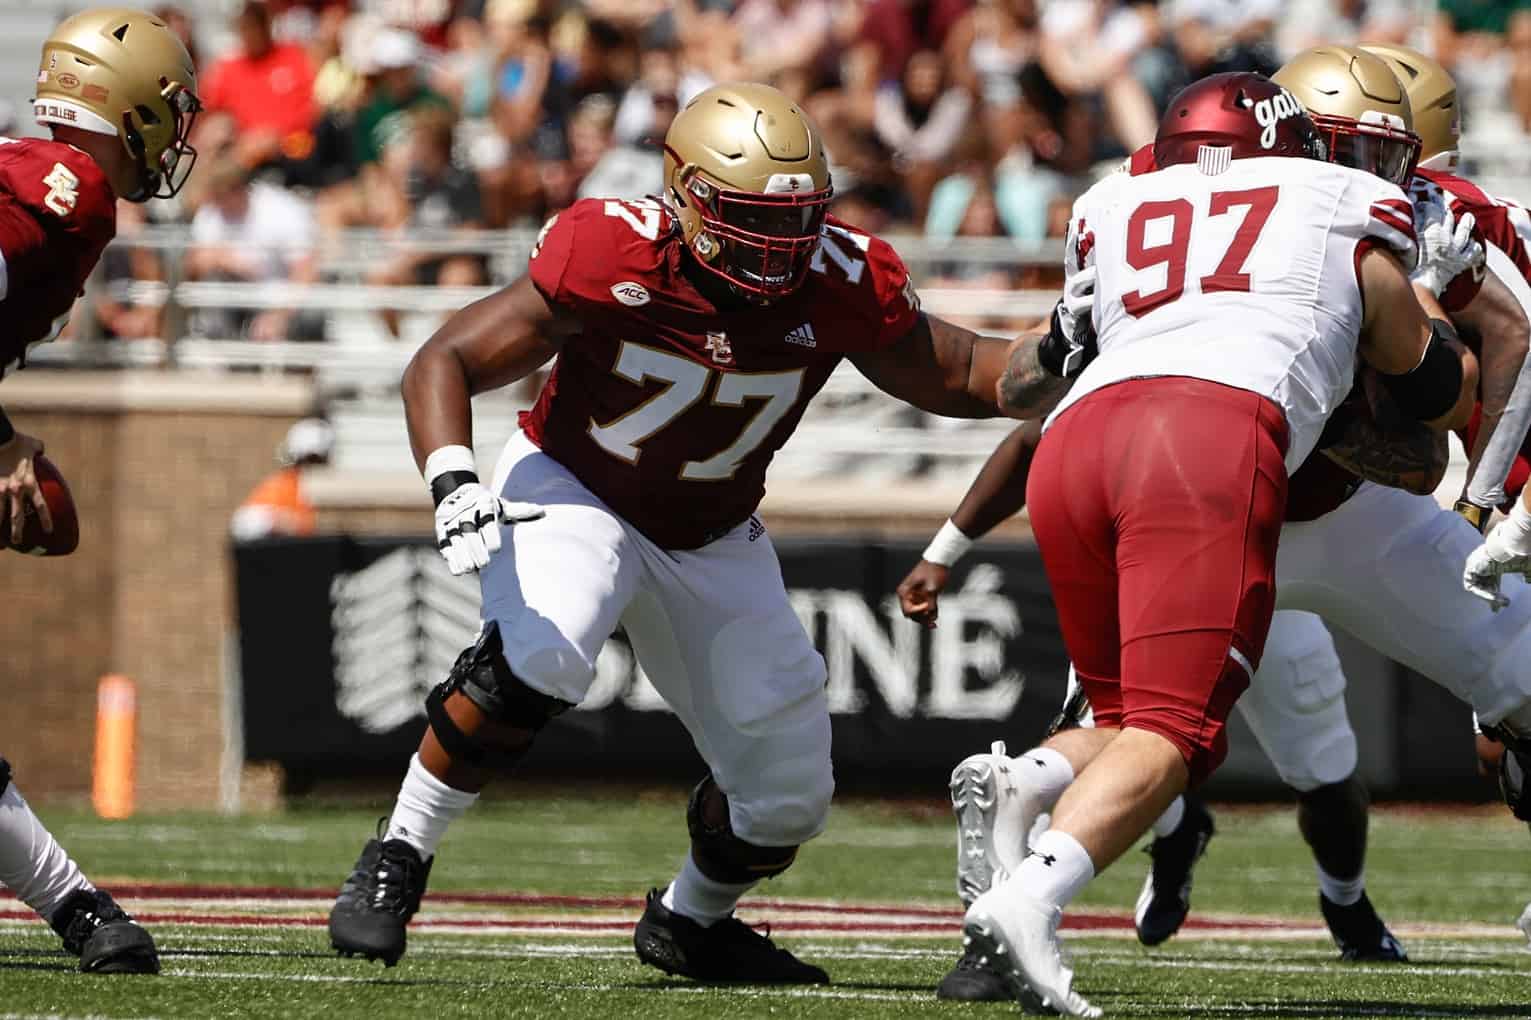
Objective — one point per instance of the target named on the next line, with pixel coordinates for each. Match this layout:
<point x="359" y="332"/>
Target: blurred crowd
<point x="947" y="118"/>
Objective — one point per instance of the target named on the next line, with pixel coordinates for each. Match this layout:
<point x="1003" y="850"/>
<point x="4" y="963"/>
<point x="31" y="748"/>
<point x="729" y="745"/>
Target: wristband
<point x="449" y="482"/>
<point x="1058" y="355"/>
<point x="948" y="546"/>
<point x="7" y="430"/>
<point x="1477" y="516"/>
<point x="448" y="467"/>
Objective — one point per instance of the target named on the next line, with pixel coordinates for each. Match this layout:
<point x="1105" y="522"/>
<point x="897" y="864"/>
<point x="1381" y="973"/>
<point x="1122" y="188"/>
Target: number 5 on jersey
<point x="1174" y="220"/>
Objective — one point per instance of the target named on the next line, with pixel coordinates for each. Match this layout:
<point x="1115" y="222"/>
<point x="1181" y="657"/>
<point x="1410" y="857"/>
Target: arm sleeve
<point x="898" y="306"/>
<point x="551" y="254"/>
<point x="1390" y="223"/>
<point x="1486" y="488"/>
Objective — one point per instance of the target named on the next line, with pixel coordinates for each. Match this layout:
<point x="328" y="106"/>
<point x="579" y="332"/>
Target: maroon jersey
<point x="1503" y="224"/>
<point x="669" y="408"/>
<point x="56" y="215"/>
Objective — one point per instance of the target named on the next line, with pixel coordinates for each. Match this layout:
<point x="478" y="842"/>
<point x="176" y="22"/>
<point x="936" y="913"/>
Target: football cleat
<point x="995" y="813"/>
<point x="727" y="952"/>
<point x="103" y="936"/>
<point x="1018" y="937"/>
<point x="1524" y="924"/>
<point x="974" y="980"/>
<point x="378" y="899"/>
<point x="1359" y="932"/>
<point x="1166" y="897"/>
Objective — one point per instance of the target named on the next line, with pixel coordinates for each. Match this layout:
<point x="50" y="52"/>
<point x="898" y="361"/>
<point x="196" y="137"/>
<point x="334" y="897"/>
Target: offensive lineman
<point x="1164" y="600"/>
<point x="119" y="93"/>
<point x="690" y="334"/>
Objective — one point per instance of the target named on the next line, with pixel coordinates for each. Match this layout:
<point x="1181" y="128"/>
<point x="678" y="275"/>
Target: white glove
<point x="1078" y="300"/>
<point x="468" y="525"/>
<point x="1506" y="550"/>
<point x="1446" y="245"/>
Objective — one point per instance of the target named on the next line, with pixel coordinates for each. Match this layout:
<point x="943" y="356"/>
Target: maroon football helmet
<point x="1244" y="112"/>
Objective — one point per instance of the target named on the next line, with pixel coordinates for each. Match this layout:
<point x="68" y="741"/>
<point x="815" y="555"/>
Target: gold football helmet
<point x="1433" y="97"/>
<point x="1359" y="107"/>
<point x="117" y="71"/>
<point x="746" y="176"/>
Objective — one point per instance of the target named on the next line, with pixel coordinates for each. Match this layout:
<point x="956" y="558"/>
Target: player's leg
<point x="1387" y="567"/>
<point x="1296" y="709"/>
<point x="45" y="878"/>
<point x="715" y="631"/>
<point x="551" y="597"/>
<point x="1188" y="517"/>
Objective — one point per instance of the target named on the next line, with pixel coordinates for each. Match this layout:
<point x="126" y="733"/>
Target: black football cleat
<point x="103" y="936"/>
<point x="728" y="952"/>
<point x="1166" y="897"/>
<point x="1514" y="766"/>
<point x="1359" y="932"/>
<point x="974" y="979"/>
<point x="378" y="899"/>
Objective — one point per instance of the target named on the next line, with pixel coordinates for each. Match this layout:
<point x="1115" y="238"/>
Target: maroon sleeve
<point x="551" y="254"/>
<point x="897" y="306"/>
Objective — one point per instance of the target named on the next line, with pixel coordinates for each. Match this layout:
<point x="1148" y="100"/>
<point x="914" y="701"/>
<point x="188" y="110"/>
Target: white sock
<point x="1343" y="891"/>
<point x="698" y="897"/>
<point x="32" y="864"/>
<point x="1056" y="869"/>
<point x="1046" y="772"/>
<point x="1170" y="820"/>
<point x="425" y="808"/>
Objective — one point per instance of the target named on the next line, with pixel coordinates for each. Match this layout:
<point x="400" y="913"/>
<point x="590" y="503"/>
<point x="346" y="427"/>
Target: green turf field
<point x="238" y="906"/>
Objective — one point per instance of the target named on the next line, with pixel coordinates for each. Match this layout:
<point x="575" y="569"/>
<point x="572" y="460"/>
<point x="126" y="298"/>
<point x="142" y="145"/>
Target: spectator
<point x="266" y="89"/>
<point x="1088" y="48"/>
<point x="279" y="505"/>
<point x="251" y="232"/>
<point x="1225" y="35"/>
<point x="122" y="308"/>
<point x="889" y="33"/>
<point x="919" y="119"/>
<point x="662" y="79"/>
<point x="1470" y="41"/>
<point x="634" y="169"/>
<point x="786" y="43"/>
<point x="423" y="191"/>
<point x="988" y="50"/>
<point x="1519" y="43"/>
<point x="394" y="89"/>
<point x="1309" y="23"/>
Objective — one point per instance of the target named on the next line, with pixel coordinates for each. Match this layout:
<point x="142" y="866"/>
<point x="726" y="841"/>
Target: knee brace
<point x="723" y="856"/>
<point x="484" y="678"/>
<point x="5" y="775"/>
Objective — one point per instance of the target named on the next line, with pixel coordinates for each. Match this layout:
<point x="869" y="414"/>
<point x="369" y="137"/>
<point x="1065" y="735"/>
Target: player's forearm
<point x="999" y="491"/>
<point x="1504" y="388"/>
<point x="1025" y="389"/>
<point x="437" y="405"/>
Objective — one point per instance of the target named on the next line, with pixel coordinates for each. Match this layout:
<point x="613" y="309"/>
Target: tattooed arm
<point x="1402" y="454"/>
<point x="1026" y="389"/>
<point x="938" y="367"/>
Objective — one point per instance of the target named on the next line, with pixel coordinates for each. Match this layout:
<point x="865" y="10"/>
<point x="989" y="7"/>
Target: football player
<point x="688" y="333"/>
<point x="1158" y="488"/>
<point x="118" y="92"/>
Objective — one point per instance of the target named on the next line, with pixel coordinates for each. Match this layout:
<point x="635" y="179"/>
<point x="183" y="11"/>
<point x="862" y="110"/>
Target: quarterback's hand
<point x="468" y="525"/>
<point x="1446" y="245"/>
<point x="918" y="594"/>
<point x="18" y="485"/>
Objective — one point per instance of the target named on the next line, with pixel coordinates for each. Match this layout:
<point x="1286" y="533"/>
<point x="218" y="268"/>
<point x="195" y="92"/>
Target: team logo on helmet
<point x="1270" y="111"/>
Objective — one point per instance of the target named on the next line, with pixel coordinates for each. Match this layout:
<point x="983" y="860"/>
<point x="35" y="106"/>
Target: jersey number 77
<point x="1178" y="217"/>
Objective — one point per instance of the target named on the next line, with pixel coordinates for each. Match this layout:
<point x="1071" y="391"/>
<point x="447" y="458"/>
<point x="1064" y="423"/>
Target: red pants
<point x="1157" y="504"/>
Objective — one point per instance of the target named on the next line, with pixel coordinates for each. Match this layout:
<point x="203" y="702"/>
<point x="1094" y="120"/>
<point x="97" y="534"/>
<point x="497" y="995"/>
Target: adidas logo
<point x="802" y="336"/>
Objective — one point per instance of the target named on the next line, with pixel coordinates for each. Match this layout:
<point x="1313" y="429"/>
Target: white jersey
<point x="1243" y="273"/>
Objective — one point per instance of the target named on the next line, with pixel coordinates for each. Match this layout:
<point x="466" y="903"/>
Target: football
<point x="65" y="536"/>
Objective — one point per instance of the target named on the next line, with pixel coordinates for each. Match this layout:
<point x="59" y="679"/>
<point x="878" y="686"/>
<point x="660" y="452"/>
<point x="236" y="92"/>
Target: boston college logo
<point x="718" y="347"/>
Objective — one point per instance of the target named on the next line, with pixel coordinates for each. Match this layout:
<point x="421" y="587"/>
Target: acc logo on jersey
<point x="1271" y="111"/>
<point x="633" y="295"/>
